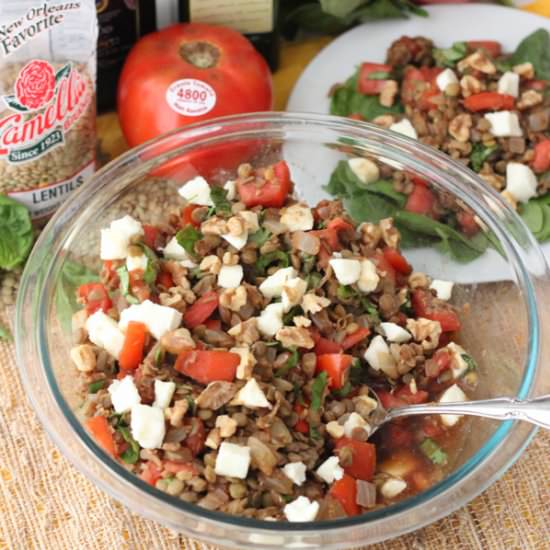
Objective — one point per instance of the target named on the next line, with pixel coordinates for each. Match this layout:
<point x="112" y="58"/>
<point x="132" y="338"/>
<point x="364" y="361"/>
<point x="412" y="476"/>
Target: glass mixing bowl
<point x="506" y="293"/>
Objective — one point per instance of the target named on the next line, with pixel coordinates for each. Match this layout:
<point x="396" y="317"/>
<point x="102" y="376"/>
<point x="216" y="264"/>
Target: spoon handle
<point x="536" y="411"/>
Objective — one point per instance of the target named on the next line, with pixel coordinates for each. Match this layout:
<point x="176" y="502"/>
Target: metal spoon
<point x="536" y="411"/>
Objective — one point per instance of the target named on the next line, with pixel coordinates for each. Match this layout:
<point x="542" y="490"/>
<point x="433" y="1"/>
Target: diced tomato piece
<point x="419" y="87"/>
<point x="420" y="480"/>
<point x="355" y="337"/>
<point x="539" y="85"/>
<point x="382" y="264"/>
<point x="467" y="222"/>
<point x="421" y="201"/>
<point x="363" y="462"/>
<point x="541" y="160"/>
<point x="187" y="215"/>
<point x="404" y="393"/>
<point x="139" y="288"/>
<point x="422" y="303"/>
<point x="165" y="279"/>
<point x="431" y="427"/>
<point x="95" y="296"/>
<point x="397" y="261"/>
<point x="213" y="324"/>
<point x="201" y="310"/>
<point x="175" y="467"/>
<point x="339" y="224"/>
<point x="398" y="436"/>
<point x="336" y="365"/>
<point x="367" y="85"/>
<point x="417" y="180"/>
<point x="489" y="101"/>
<point x="101" y="430"/>
<point x="207" y="366"/>
<point x="389" y="401"/>
<point x="131" y="354"/>
<point x="301" y="426"/>
<point x="345" y="491"/>
<point x="151" y="473"/>
<point x="150" y="234"/>
<point x="493" y="48"/>
<point x="197" y="436"/>
<point x="440" y="361"/>
<point x="323" y="345"/>
<point x="272" y="193"/>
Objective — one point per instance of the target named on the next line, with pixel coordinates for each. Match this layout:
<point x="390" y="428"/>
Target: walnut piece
<point x="478" y="61"/>
<point x="176" y="341"/>
<point x="230" y="259"/>
<point x="469" y="85"/>
<point x="235" y="226"/>
<point x="388" y="93"/>
<point x="216" y="395"/>
<point x="311" y="303"/>
<point x="233" y="298"/>
<point x="529" y="99"/>
<point x="525" y="70"/>
<point x="425" y="331"/>
<point x="83" y="357"/>
<point x="370" y="234"/>
<point x="510" y="199"/>
<point x="226" y="425"/>
<point x="176" y="413"/>
<point x="211" y="264"/>
<point x="245" y="367"/>
<point x="213" y="439"/>
<point x="418" y="279"/>
<point x="245" y="332"/>
<point x="390" y="234"/>
<point x="301" y="321"/>
<point x="494" y="180"/>
<point x="460" y="126"/>
<point x="214" y="226"/>
<point x="295" y="336"/>
<point x="250" y="220"/>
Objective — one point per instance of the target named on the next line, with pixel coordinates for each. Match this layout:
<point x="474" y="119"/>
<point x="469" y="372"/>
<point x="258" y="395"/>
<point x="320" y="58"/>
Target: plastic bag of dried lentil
<point x="47" y="106"/>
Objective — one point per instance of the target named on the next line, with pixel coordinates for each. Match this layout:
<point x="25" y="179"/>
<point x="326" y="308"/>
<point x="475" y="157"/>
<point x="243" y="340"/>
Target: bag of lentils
<point x="47" y="105"/>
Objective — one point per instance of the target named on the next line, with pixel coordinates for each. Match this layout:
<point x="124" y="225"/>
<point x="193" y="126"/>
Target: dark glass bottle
<point x="256" y="19"/>
<point x="121" y="24"/>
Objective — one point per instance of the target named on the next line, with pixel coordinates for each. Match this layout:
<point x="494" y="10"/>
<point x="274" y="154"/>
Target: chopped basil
<point x="271" y="257"/>
<point x="370" y="310"/>
<point x="94" y="387"/>
<point x="314" y="433"/>
<point x="344" y="292"/>
<point x="433" y="451"/>
<point x="472" y="365"/>
<point x="131" y="454"/>
<point x="308" y="262"/>
<point x="219" y="198"/>
<point x="187" y="238"/>
<point x="318" y="390"/>
<point x="191" y="403"/>
<point x="313" y="279"/>
<point x="406" y="306"/>
<point x="159" y="356"/>
<point x="124" y="278"/>
<point x="448" y="57"/>
<point x="151" y="271"/>
<point x="260" y="237"/>
<point x="344" y="390"/>
<point x="480" y="153"/>
<point x="5" y="334"/>
<point x="290" y="364"/>
<point x="287" y="317"/>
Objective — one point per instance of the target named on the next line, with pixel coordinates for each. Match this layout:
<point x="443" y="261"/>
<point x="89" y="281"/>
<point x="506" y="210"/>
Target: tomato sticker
<point x="191" y="97"/>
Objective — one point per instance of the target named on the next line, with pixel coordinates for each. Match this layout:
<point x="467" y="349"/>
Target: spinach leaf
<point x="318" y="390"/>
<point x="448" y="57"/>
<point x="260" y="237"/>
<point x="219" y="198"/>
<point x="480" y="153"/>
<point x="187" y="238"/>
<point x="271" y="257"/>
<point x="290" y="364"/>
<point x="369" y="207"/>
<point x="385" y="189"/>
<point x="433" y="451"/>
<point x="71" y="277"/>
<point x="535" y="49"/>
<point x="94" y="387"/>
<point x="5" y="334"/>
<point x="533" y="215"/>
<point x="131" y="454"/>
<point x="340" y="8"/>
<point x="16" y="234"/>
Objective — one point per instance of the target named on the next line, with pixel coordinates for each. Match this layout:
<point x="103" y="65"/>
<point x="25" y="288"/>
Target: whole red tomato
<point x="187" y="73"/>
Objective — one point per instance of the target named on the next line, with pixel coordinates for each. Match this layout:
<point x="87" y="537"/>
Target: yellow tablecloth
<point x="46" y="504"/>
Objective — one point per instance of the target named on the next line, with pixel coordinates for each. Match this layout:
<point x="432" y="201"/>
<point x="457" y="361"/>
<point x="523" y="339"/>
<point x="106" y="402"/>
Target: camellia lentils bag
<point x="47" y="105"/>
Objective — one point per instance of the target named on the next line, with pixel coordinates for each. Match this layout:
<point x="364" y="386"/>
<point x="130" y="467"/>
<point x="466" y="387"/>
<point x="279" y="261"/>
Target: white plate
<point x="369" y="42"/>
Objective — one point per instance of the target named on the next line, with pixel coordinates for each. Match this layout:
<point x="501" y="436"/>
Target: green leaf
<point x="433" y="451"/>
<point x="311" y="17"/>
<point x="370" y="309"/>
<point x="313" y="279"/>
<point x="535" y="49"/>
<point x="187" y="238"/>
<point x="318" y="390"/>
<point x="271" y="257"/>
<point x="472" y="365"/>
<point x="219" y="198"/>
<point x="480" y="153"/>
<point x="344" y="390"/>
<point x="260" y="237"/>
<point x="16" y="233"/>
<point x="385" y="188"/>
<point x="12" y="103"/>
<point x="94" y="387"/>
<point x="533" y="215"/>
<point x="344" y="292"/>
<point x="314" y="433"/>
<point x="448" y="57"/>
<point x="152" y="269"/>
<point x="340" y="8"/>
<point x="290" y="364"/>
<point x="124" y="278"/>
<point x="369" y="207"/>
<point x="131" y="454"/>
<point x="64" y="71"/>
<point x="289" y="315"/>
<point x="5" y="334"/>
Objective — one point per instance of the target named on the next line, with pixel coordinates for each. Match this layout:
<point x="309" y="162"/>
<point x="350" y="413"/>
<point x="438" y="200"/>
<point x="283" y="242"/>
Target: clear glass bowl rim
<point x="395" y="147"/>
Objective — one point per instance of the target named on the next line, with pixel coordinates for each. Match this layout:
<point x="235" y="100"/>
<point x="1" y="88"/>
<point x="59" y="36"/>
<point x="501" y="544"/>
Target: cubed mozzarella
<point x="270" y="320"/>
<point x="292" y="293"/>
<point x="114" y="245"/>
<point x="272" y="287"/>
<point x="251" y="396"/>
<point x="296" y="472"/>
<point x="330" y="470"/>
<point x="347" y="271"/>
<point x="395" y="333"/>
<point x="521" y="181"/>
<point x="378" y="356"/>
<point x="504" y="124"/>
<point x="444" y="78"/>
<point x="354" y="421"/>
<point x="147" y="426"/>
<point x="174" y="251"/>
<point x="127" y="226"/>
<point x="405" y="128"/>
<point x="453" y="394"/>
<point x="301" y="509"/>
<point x="136" y="262"/>
<point x="163" y="393"/>
<point x="443" y="289"/>
<point x="231" y="187"/>
<point x="124" y="394"/>
<point x="365" y="170"/>
<point x="236" y="241"/>
<point x="232" y="460"/>
<point x="368" y="278"/>
<point x="392" y="487"/>
<point x="104" y="332"/>
<point x="297" y="217"/>
<point x="230" y="276"/>
<point x="458" y="364"/>
<point x="509" y="84"/>
<point x="158" y="319"/>
<point x="197" y="191"/>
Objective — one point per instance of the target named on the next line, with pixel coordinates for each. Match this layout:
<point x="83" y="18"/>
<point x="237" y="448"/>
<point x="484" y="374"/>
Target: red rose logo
<point x="35" y="84"/>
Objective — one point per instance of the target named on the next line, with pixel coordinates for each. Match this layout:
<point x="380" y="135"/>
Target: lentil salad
<point x="232" y="355"/>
